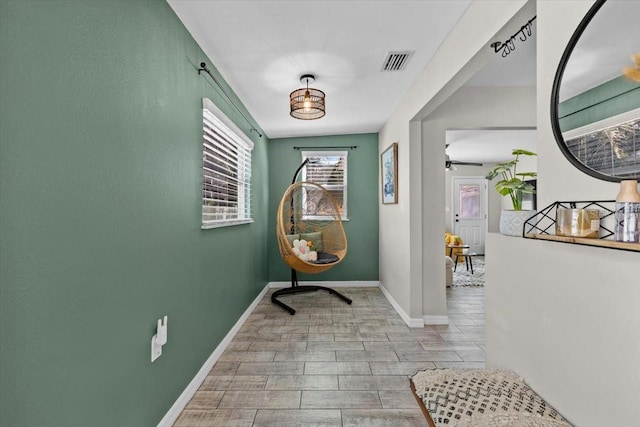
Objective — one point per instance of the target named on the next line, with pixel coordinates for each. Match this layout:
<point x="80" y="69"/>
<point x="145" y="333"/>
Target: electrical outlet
<point x="156" y="349"/>
<point x="159" y="339"/>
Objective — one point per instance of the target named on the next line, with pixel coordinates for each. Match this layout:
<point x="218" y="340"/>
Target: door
<point x="470" y="211"/>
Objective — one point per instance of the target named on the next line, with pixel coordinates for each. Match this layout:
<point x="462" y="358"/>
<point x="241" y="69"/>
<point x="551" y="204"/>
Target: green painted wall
<point x="609" y="99"/>
<point x="100" y="156"/>
<point x="361" y="262"/>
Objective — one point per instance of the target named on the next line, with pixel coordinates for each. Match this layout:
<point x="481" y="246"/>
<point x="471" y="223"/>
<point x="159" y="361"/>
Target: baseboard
<point x="177" y="408"/>
<point x="343" y="284"/>
<point x="412" y="323"/>
<point x="436" y="320"/>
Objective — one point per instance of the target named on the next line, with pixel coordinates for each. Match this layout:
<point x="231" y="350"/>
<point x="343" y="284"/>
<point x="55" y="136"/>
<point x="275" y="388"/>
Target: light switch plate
<point x="156" y="349"/>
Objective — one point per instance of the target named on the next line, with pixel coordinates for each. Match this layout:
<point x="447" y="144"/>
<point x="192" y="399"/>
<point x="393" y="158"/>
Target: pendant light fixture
<point x="307" y="103"/>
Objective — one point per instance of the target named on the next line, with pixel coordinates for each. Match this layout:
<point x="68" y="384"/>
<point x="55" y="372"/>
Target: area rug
<point x="481" y="398"/>
<point x="464" y="279"/>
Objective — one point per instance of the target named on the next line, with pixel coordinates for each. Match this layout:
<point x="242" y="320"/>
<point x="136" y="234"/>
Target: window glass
<point x="226" y="170"/>
<point x="329" y="170"/>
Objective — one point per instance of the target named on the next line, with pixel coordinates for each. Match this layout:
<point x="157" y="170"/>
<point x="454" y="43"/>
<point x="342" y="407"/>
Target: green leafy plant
<point x="512" y="183"/>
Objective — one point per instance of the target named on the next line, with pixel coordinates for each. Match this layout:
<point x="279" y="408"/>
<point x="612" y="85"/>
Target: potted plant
<point x="513" y="185"/>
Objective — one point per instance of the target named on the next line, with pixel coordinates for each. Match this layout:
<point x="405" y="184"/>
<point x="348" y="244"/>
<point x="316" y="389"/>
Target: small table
<point x="468" y="261"/>
<point x="452" y="247"/>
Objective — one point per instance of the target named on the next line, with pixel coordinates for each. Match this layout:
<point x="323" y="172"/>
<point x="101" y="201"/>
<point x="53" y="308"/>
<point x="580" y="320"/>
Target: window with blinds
<point x="226" y="170"/>
<point x="328" y="169"/>
<point x="610" y="146"/>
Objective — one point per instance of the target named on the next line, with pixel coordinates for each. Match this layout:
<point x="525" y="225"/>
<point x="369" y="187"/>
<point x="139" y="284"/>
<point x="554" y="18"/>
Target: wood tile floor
<point x="333" y="364"/>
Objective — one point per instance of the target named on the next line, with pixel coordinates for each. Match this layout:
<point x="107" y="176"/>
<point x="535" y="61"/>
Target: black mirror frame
<point x="555" y="96"/>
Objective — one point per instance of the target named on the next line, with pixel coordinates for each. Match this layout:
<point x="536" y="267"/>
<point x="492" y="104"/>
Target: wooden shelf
<point x="603" y="243"/>
<point x="543" y="221"/>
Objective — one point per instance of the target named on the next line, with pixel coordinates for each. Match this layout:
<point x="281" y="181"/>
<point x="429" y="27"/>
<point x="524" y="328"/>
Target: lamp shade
<point x="307" y="103"/>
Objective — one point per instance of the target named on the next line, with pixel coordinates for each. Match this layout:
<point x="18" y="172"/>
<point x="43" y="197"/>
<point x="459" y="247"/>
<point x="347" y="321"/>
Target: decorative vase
<point x="512" y="222"/>
<point x="628" y="213"/>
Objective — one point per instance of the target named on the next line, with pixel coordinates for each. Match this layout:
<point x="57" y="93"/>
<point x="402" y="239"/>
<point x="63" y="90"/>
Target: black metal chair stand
<point x="297" y="289"/>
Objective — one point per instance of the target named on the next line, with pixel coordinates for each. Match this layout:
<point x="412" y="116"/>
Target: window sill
<point x="225" y="224"/>
<point x="322" y="218"/>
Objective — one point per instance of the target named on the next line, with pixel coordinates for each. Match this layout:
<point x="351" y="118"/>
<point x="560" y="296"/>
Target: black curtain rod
<point x="203" y="67"/>
<point x="348" y="147"/>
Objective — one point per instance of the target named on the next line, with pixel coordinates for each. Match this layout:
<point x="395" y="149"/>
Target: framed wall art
<point x="389" y="172"/>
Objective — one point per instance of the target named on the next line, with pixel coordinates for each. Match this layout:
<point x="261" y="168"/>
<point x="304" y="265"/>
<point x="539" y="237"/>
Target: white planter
<point x="511" y="222"/>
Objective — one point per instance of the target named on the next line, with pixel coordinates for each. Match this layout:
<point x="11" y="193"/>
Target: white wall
<point x="476" y="108"/>
<point x="468" y="108"/>
<point x="402" y="257"/>
<point x="565" y="317"/>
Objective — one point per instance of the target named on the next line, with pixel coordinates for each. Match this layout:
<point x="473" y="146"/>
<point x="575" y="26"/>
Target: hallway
<point x="334" y="364"/>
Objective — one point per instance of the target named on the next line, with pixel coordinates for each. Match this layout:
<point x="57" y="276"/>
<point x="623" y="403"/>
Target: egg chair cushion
<point x="292" y="237"/>
<point x="325" y="258"/>
<point x="315" y="239"/>
<point x="309" y="210"/>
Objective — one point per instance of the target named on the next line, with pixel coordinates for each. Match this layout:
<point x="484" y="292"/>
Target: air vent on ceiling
<point x="396" y="61"/>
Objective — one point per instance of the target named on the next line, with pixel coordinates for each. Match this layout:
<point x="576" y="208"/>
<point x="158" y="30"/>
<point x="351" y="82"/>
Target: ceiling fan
<point x="450" y="164"/>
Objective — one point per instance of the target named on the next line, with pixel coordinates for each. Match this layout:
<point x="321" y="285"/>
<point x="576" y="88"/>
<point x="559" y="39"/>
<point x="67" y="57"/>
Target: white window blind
<point x="328" y="169"/>
<point x="226" y="170"/>
<point x="609" y="146"/>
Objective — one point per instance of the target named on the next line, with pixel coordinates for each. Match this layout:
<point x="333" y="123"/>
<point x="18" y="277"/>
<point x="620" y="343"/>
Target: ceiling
<point x="488" y="145"/>
<point x="261" y="48"/>
<point x="516" y="69"/>
<point x="604" y="48"/>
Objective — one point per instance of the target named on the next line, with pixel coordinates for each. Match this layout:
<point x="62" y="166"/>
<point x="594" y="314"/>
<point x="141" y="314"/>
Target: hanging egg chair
<point x="310" y="235"/>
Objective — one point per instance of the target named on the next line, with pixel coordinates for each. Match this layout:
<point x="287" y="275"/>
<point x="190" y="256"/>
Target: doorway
<point x="470" y="219"/>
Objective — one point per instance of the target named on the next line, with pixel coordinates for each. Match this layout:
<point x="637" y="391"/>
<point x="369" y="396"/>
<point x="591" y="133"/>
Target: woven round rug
<point x="464" y="279"/>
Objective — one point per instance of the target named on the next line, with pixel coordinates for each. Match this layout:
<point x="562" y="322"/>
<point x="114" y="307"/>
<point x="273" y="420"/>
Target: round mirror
<point x="595" y="101"/>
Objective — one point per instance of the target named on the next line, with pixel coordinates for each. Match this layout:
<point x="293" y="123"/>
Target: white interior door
<point x="470" y="211"/>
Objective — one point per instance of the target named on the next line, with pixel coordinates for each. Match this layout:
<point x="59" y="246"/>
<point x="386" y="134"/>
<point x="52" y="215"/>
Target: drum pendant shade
<point x="307" y="103"/>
